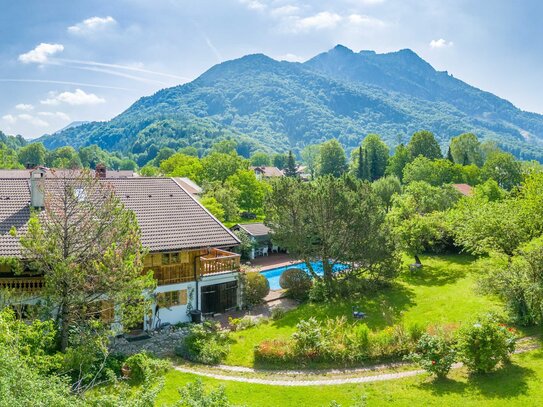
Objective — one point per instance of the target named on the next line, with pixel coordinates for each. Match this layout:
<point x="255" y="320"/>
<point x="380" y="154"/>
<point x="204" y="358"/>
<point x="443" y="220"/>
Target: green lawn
<point x="519" y="384"/>
<point x="442" y="292"/>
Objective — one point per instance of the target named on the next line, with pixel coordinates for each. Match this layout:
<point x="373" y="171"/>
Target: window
<point x="172" y="298"/>
<point x="80" y="194"/>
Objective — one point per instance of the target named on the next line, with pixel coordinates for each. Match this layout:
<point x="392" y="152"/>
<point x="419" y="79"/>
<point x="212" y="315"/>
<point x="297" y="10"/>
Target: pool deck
<point x="273" y="261"/>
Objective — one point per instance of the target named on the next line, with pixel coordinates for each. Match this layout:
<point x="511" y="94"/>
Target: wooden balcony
<point x="219" y="261"/>
<point x="25" y="284"/>
<point x="206" y="262"/>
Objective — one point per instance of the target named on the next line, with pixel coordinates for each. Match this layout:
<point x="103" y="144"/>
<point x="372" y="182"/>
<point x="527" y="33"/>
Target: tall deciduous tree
<point x="219" y="166"/>
<point x="332" y="159"/>
<point x="260" y="159"/>
<point x="424" y="143"/>
<point x="251" y="190"/>
<point x="310" y="156"/>
<point x="88" y="247"/>
<point x="504" y="169"/>
<point x="398" y="161"/>
<point x="181" y="165"/>
<point x="466" y="149"/>
<point x="32" y="155"/>
<point x="334" y="220"/>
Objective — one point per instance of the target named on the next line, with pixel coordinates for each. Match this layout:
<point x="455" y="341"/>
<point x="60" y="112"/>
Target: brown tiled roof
<point x="14" y="212"/>
<point x="189" y="185"/>
<point x="269" y="171"/>
<point x="254" y="229"/>
<point x="464" y="189"/>
<point x="60" y="173"/>
<point x="168" y="216"/>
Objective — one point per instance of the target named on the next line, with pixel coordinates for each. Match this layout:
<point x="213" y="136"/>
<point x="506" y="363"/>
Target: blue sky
<point x="67" y="60"/>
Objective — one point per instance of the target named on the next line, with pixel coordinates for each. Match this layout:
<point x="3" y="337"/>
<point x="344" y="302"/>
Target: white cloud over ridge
<point x="440" y="43"/>
<point x="77" y="98"/>
<point x="24" y="107"/>
<point x="41" y="53"/>
<point x="92" y="25"/>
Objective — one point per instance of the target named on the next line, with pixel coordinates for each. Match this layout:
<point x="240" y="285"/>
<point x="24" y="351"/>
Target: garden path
<point x="290" y="377"/>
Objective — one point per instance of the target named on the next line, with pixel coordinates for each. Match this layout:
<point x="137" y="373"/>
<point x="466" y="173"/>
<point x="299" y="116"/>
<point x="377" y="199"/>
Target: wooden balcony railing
<point x="218" y="261"/>
<point x="26" y="284"/>
<point x="215" y="261"/>
<point x="174" y="273"/>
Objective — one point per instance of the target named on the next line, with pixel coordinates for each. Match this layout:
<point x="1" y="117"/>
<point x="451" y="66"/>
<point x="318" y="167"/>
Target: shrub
<point x="255" y="288"/>
<point x="485" y="344"/>
<point x="278" y="313"/>
<point x="205" y="343"/>
<point x="240" y="324"/>
<point x="309" y="338"/>
<point x="143" y="367"/>
<point x="274" y="351"/>
<point x="296" y="282"/>
<point x="320" y="292"/>
<point x="434" y="355"/>
<point x="195" y="395"/>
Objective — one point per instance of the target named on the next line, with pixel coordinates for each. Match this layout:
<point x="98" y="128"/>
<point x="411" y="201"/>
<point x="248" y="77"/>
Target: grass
<point x="443" y="292"/>
<point x="518" y="384"/>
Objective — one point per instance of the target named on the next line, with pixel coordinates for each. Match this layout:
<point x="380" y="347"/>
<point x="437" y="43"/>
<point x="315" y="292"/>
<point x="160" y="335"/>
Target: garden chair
<point x="357" y="314"/>
<point x="265" y="251"/>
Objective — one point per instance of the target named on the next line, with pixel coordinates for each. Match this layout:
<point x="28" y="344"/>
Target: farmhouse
<point x="188" y="247"/>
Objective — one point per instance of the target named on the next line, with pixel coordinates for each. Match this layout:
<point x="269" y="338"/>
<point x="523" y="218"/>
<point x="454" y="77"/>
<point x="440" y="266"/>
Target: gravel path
<point x="290" y="382"/>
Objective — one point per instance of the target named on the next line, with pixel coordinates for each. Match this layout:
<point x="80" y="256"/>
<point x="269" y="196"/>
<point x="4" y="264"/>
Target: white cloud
<point x="57" y="115"/>
<point x="441" y="43"/>
<point x="9" y="118"/>
<point x="367" y="2"/>
<point x="253" y="4"/>
<point x="40" y="54"/>
<point x="33" y="120"/>
<point x="36" y="121"/>
<point x="24" y="107"/>
<point x="322" y="20"/>
<point x="92" y="25"/>
<point x="77" y="98"/>
<point x="366" y="21"/>
<point x="291" y="58"/>
<point x="284" y="10"/>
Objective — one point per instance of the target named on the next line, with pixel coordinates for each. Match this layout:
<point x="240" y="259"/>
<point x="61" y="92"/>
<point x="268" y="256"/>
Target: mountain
<point x="71" y="126"/>
<point x="276" y="106"/>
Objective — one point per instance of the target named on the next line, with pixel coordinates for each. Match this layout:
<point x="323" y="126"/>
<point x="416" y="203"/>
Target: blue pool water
<point x="273" y="275"/>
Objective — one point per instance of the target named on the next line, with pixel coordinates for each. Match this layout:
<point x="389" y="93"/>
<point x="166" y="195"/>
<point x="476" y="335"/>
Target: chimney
<point x="100" y="171"/>
<point x="37" y="194"/>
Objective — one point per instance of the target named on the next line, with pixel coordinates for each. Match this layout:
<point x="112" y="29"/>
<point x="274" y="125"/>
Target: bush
<point x="485" y="344"/>
<point x="255" y="288"/>
<point x="274" y="351"/>
<point x="143" y="367"/>
<point x="195" y="395"/>
<point x="205" y="343"/>
<point x="434" y="355"/>
<point x="278" y="313"/>
<point x="240" y="324"/>
<point x="296" y="282"/>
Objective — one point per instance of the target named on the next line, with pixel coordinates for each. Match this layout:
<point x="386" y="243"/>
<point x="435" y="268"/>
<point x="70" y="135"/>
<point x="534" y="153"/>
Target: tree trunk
<point x="417" y="260"/>
<point x="64" y="328"/>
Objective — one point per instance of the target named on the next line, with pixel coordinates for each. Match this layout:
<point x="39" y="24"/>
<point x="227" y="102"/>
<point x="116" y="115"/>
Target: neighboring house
<point x="267" y="172"/>
<point x="190" y="186"/>
<point x="188" y="247"/>
<point x="464" y="189"/>
<point x="260" y="238"/>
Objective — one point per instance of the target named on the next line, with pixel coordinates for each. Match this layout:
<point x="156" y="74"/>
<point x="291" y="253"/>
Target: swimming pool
<point x="273" y="275"/>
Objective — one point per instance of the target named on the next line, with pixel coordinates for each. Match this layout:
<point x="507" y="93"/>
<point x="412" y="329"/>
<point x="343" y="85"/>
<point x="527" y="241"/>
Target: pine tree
<point x="361" y="163"/>
<point x="290" y="169"/>
<point x="449" y="155"/>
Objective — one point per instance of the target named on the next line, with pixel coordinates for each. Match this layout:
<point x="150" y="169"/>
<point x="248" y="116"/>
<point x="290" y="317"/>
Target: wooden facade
<point x="185" y="266"/>
<point x="168" y="268"/>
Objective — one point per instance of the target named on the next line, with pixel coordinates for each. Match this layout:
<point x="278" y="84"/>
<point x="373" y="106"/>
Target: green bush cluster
<point x="485" y="344"/>
<point x="143" y="368"/>
<point x="434" y="354"/>
<point x="255" y="288"/>
<point x="205" y="343"/>
<point x="337" y="340"/>
<point x="297" y="283"/>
